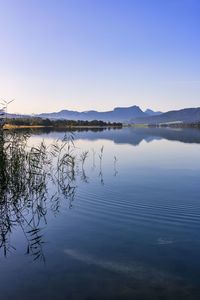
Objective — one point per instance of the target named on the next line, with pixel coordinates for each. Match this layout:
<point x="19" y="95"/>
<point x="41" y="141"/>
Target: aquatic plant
<point x="3" y="110"/>
<point x="93" y="159"/>
<point x="100" y="166"/>
<point x="25" y="174"/>
<point x="83" y="157"/>
<point x="33" y="180"/>
<point x="101" y="154"/>
<point x="115" y="166"/>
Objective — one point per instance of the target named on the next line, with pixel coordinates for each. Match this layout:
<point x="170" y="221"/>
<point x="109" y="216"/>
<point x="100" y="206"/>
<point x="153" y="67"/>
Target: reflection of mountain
<point x="133" y="136"/>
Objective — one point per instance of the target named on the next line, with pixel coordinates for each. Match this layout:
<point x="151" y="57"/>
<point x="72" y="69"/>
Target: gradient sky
<point x="98" y="54"/>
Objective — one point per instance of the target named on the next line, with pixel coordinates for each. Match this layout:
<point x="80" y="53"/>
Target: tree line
<point x="35" y="121"/>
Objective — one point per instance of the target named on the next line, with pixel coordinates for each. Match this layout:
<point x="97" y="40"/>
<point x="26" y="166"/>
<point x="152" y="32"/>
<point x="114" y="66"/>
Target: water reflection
<point x="130" y="135"/>
<point x="34" y="179"/>
<point x="134" y="232"/>
<point x="31" y="178"/>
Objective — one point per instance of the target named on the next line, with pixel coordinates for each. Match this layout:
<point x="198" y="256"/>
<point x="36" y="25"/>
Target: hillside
<point x="187" y="115"/>
<point x="118" y="114"/>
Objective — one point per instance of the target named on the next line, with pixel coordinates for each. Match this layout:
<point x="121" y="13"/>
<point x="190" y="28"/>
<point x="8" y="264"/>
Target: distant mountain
<point x="187" y="115"/>
<point x="150" y="112"/>
<point x="118" y="114"/>
<point x="132" y="114"/>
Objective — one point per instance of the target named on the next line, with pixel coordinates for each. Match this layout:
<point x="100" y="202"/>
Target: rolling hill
<point x="187" y="115"/>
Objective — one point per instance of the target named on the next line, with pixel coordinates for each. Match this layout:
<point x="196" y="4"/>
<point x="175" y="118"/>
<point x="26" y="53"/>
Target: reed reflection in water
<point x="34" y="179"/>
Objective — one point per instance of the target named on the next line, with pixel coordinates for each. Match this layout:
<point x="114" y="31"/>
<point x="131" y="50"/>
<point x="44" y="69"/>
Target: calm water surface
<point x="132" y="230"/>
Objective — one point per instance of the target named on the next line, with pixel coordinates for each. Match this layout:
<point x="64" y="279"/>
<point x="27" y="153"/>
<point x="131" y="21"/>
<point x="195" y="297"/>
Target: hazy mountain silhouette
<point x="132" y="114"/>
<point x="118" y="114"/>
<point x="187" y="115"/>
<point x="150" y="112"/>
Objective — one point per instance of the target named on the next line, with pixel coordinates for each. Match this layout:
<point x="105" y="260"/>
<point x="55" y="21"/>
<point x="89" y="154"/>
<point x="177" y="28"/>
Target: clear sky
<point x="98" y="54"/>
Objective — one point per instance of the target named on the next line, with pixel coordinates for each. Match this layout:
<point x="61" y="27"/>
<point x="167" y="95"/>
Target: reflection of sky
<point x="142" y="224"/>
<point x="151" y="152"/>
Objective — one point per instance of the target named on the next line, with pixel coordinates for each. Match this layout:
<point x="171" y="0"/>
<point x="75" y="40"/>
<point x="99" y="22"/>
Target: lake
<point x="130" y="229"/>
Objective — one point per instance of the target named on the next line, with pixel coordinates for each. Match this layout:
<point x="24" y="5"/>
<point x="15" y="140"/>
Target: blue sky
<point x="98" y="54"/>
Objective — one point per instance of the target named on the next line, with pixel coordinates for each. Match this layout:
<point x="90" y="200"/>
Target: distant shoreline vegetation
<point x="166" y="125"/>
<point x="178" y="125"/>
<point x="39" y="122"/>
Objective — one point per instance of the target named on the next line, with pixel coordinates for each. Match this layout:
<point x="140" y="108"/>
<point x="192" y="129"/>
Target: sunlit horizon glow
<point x="96" y="55"/>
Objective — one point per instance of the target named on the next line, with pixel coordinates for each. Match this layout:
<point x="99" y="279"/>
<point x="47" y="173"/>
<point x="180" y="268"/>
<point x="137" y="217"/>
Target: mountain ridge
<point x="185" y="115"/>
<point x="117" y="114"/>
<point x="132" y="115"/>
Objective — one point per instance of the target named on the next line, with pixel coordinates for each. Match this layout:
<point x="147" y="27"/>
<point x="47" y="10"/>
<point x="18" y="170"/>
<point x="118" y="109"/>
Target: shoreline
<point x="8" y="126"/>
